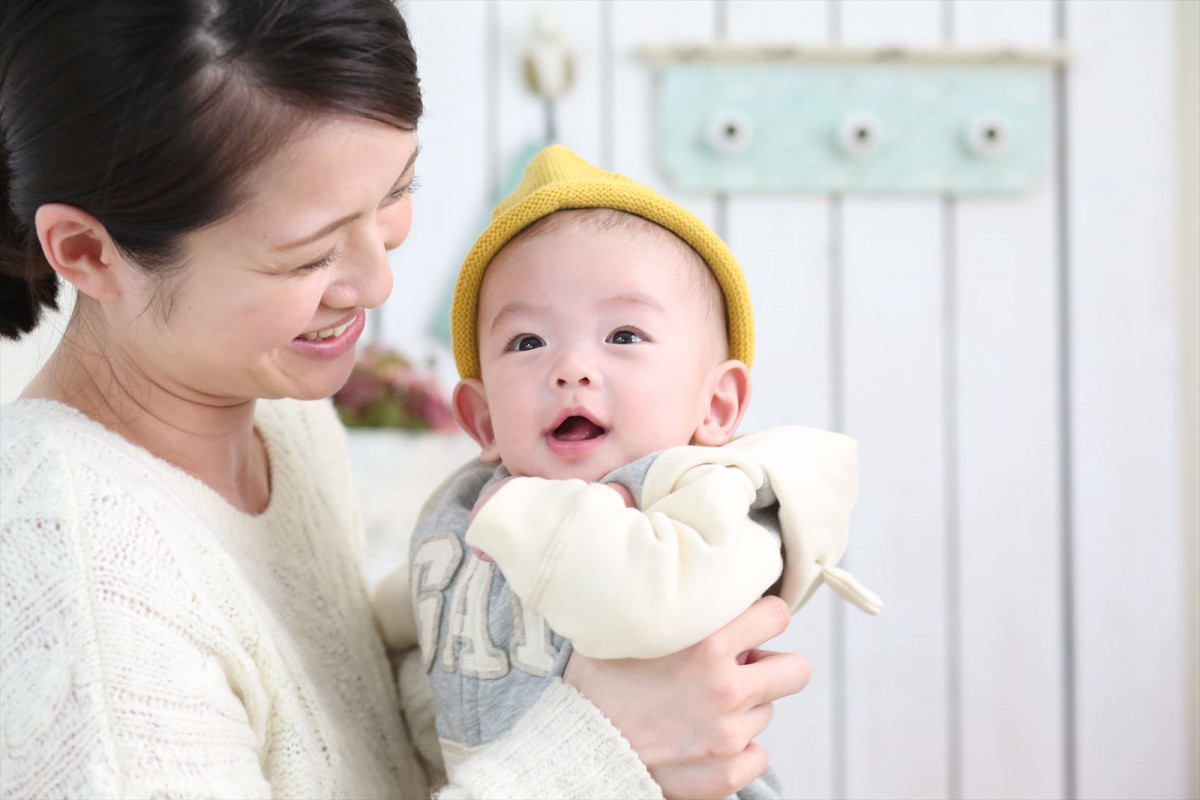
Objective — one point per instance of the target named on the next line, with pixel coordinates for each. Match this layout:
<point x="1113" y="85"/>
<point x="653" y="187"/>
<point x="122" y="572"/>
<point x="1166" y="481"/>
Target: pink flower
<point x="385" y="391"/>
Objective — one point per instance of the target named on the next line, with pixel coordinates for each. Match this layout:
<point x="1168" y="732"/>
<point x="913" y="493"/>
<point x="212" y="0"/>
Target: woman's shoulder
<point x="24" y="419"/>
<point x="40" y="443"/>
<point x="71" y="490"/>
<point x="78" y="505"/>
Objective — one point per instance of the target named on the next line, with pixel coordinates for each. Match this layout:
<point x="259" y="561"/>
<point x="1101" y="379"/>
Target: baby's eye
<point x="525" y="341"/>
<point x="624" y="336"/>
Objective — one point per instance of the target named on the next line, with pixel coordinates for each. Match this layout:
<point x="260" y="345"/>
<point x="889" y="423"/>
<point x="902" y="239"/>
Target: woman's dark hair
<point x="150" y="115"/>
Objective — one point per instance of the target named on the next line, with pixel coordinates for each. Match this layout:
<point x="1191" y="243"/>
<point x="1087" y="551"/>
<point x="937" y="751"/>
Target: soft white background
<point x="1020" y="373"/>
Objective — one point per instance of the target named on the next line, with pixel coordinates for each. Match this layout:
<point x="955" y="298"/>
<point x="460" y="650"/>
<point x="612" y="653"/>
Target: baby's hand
<point x="623" y="490"/>
<point x="487" y="495"/>
<point x="619" y="488"/>
<point x="483" y="498"/>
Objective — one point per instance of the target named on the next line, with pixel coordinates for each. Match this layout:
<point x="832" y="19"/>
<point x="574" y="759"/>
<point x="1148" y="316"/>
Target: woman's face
<point x="270" y="302"/>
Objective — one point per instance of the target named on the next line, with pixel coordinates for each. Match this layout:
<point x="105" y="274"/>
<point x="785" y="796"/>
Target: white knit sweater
<point x="155" y="641"/>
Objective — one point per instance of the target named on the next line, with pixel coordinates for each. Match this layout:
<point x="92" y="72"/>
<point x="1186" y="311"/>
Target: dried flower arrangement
<point x="385" y="391"/>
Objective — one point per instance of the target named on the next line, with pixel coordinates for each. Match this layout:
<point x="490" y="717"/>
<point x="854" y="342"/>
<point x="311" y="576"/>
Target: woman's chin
<point x="316" y="387"/>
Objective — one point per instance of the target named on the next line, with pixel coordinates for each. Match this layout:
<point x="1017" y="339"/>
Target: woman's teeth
<point x="328" y="333"/>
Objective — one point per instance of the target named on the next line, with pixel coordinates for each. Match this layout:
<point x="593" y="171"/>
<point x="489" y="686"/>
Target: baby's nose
<point x="581" y="379"/>
<point x="573" y="371"/>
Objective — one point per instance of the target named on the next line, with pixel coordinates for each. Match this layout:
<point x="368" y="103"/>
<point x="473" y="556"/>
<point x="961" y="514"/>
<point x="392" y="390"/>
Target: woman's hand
<point x="692" y="716"/>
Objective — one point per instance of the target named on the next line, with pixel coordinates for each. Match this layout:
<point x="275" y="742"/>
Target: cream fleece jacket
<point x="155" y="641"/>
<point x="643" y="582"/>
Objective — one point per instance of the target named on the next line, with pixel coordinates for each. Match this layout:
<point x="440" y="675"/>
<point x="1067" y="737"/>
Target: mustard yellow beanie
<point x="557" y="179"/>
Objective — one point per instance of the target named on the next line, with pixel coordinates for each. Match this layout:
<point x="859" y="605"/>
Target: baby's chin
<point x="565" y="470"/>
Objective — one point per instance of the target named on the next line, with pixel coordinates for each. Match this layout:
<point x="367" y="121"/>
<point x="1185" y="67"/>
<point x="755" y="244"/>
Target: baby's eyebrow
<point x="510" y="309"/>
<point x="633" y="298"/>
<point x="617" y="300"/>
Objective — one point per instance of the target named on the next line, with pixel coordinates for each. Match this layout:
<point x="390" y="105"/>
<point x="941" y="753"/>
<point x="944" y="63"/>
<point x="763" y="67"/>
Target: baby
<point x="604" y="338"/>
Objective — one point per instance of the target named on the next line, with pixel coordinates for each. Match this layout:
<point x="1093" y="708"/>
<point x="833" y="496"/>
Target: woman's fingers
<point x="776" y="675"/>
<point x="757" y="719"/>
<point x="764" y="620"/>
<point x="756" y="655"/>
<point x="714" y="778"/>
<point x="692" y="716"/>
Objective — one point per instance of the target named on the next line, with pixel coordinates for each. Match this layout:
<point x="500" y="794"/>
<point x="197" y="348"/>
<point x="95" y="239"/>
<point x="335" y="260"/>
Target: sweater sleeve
<point x="109" y="688"/>
<point x="562" y="747"/>
<point x="627" y="583"/>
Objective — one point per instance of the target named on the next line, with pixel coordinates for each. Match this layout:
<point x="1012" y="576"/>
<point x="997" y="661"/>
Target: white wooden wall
<point x="1010" y="368"/>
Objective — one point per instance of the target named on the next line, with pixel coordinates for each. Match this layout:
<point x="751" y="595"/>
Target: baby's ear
<point x="730" y="382"/>
<point x="471" y="412"/>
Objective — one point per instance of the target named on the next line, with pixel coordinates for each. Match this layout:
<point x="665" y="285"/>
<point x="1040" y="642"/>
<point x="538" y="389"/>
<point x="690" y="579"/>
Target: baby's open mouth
<point x="577" y="429"/>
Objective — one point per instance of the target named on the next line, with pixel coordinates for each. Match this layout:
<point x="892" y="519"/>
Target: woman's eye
<point x="526" y="341"/>
<point x="625" y="336"/>
<point x="324" y="261"/>
<point x="400" y="191"/>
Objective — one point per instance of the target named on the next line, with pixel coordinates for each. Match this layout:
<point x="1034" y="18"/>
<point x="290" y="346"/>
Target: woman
<point x="183" y="612"/>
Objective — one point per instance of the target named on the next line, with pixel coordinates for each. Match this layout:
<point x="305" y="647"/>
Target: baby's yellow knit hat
<point x="557" y="179"/>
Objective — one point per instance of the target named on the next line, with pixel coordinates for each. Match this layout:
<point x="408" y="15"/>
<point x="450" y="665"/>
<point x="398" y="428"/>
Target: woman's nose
<point x="366" y="278"/>
<point x="395" y="223"/>
<point x="377" y="286"/>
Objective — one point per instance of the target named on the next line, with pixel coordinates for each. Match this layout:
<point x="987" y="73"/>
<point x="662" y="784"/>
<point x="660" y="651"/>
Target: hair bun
<point x="27" y="283"/>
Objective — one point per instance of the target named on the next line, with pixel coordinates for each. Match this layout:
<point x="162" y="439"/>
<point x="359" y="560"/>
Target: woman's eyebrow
<point x="337" y="223"/>
<point x="411" y="160"/>
<point x="322" y="233"/>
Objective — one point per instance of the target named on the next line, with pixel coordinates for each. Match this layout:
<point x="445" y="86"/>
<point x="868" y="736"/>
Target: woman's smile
<point x="331" y="343"/>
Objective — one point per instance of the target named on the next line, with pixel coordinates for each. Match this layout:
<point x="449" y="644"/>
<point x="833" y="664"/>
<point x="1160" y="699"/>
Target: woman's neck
<point x="214" y="442"/>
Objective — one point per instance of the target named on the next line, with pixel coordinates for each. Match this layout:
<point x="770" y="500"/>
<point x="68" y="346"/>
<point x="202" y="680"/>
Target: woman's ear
<point x="471" y="412"/>
<point x="730" y="384"/>
<point x="79" y="249"/>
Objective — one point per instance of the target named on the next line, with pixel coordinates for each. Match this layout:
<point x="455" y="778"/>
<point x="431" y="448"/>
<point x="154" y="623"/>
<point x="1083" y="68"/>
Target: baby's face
<point x="596" y="348"/>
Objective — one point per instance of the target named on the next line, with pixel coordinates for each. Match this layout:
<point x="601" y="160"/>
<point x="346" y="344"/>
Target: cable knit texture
<point x="155" y="641"/>
<point x="559" y="749"/>
<point x="159" y="642"/>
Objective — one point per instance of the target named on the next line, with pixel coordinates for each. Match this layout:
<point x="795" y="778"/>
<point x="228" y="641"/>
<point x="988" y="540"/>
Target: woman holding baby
<point x="183" y="612"/>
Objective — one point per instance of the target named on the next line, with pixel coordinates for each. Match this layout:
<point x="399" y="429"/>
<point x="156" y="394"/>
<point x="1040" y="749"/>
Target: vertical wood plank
<point x="782" y="243"/>
<point x="637" y="22"/>
<point x="1125" y="434"/>
<point x="895" y="405"/>
<point x="1004" y="261"/>
<point x="455" y="170"/>
<point x="1187" y="55"/>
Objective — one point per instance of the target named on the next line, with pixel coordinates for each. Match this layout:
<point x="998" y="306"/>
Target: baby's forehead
<point x="601" y="220"/>
<point x="665" y="249"/>
<point x="696" y="281"/>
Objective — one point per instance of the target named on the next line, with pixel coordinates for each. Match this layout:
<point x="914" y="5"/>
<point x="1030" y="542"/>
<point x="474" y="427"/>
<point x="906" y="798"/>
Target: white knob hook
<point x="730" y="132"/>
<point x="859" y="134"/>
<point x="988" y="135"/>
